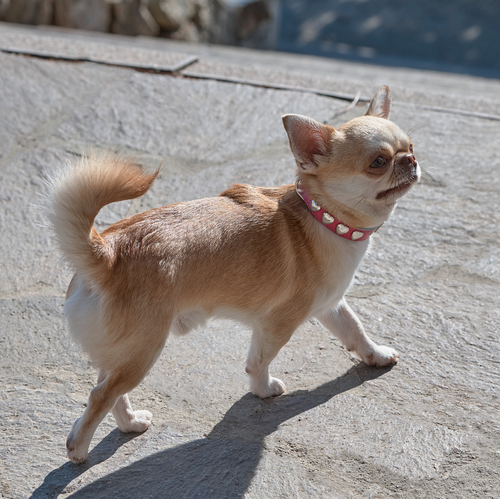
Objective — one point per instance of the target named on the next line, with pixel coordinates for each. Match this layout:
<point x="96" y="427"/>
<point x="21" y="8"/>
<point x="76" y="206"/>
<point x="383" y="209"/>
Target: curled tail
<point x="78" y="193"/>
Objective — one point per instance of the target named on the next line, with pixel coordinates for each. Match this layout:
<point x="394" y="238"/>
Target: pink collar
<point x="330" y="222"/>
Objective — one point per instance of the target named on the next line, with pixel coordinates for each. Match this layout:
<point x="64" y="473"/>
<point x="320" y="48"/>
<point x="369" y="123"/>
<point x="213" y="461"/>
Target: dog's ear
<point x="380" y="105"/>
<point x="308" y="140"/>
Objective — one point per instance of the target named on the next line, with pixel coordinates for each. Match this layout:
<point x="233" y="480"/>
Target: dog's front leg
<point x="264" y="347"/>
<point x="345" y="325"/>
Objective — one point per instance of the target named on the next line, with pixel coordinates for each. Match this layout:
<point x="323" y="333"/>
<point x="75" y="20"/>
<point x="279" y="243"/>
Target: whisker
<point x="424" y="180"/>
<point x="429" y="179"/>
<point x="413" y="129"/>
<point x="362" y="198"/>
<point x="428" y="168"/>
<point x="358" y="198"/>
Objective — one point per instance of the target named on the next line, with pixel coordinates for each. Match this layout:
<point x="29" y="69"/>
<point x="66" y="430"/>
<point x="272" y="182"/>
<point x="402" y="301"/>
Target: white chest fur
<point x="342" y="261"/>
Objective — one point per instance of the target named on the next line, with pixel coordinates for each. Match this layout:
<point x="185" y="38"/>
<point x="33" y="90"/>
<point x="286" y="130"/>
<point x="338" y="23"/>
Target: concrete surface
<point x="427" y="428"/>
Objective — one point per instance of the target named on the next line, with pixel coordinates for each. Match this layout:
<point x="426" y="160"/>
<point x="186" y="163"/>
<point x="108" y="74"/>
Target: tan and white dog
<point x="270" y="257"/>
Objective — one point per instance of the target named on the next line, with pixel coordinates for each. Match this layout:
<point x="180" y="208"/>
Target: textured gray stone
<point x="27" y="11"/>
<point x="427" y="428"/>
<point x="92" y="15"/>
<point x="100" y="50"/>
<point x="424" y="89"/>
<point x="172" y="14"/>
<point x="132" y="17"/>
<point x="214" y="21"/>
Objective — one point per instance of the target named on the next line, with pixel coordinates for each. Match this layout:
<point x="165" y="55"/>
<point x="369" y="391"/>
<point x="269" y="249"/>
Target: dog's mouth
<point x="400" y="189"/>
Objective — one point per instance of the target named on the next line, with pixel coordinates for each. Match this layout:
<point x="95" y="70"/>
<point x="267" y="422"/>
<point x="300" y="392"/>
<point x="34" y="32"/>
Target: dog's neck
<point x="332" y="223"/>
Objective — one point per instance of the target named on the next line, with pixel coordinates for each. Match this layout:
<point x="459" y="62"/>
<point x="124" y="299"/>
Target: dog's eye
<point x="411" y="148"/>
<point x="379" y="162"/>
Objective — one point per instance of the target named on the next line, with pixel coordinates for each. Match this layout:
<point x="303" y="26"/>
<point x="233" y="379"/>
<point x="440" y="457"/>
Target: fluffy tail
<point x="78" y="193"/>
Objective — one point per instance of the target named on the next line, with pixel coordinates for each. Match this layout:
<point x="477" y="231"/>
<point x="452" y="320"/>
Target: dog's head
<point x="359" y="170"/>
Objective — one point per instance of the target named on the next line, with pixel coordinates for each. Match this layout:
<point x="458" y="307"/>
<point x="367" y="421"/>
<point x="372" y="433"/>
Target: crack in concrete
<point x="177" y="71"/>
<point x="147" y="68"/>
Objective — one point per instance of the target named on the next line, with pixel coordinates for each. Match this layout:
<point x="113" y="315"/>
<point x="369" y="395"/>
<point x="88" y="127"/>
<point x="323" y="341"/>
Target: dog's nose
<point x="408" y="159"/>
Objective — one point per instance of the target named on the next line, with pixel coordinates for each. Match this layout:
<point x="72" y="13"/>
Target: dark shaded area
<point x="454" y="35"/>
<point x="222" y="465"/>
<point x="56" y="480"/>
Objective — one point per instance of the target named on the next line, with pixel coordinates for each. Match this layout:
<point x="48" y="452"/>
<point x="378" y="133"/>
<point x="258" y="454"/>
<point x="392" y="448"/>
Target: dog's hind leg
<point x="102" y="398"/>
<point x="129" y="420"/>
<point x="110" y="394"/>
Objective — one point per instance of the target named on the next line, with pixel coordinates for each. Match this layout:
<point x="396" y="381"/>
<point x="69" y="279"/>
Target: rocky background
<point x="450" y="35"/>
<point x="211" y="21"/>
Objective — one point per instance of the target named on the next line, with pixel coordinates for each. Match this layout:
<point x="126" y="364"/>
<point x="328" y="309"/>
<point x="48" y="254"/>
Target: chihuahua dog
<point x="270" y="257"/>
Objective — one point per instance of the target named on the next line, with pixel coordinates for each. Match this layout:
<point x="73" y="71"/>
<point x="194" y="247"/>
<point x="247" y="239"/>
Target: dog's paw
<point x="381" y="356"/>
<point x="273" y="388"/>
<point x="77" y="451"/>
<point x="76" y="455"/>
<point x="140" y="422"/>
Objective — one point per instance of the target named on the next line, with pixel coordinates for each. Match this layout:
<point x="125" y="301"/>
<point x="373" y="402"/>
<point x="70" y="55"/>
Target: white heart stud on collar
<point x="342" y="229"/>
<point x="314" y="206"/>
<point x="356" y="235"/>
<point x="327" y="219"/>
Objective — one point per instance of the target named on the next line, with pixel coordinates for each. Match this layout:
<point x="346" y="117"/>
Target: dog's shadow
<point x="218" y="466"/>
